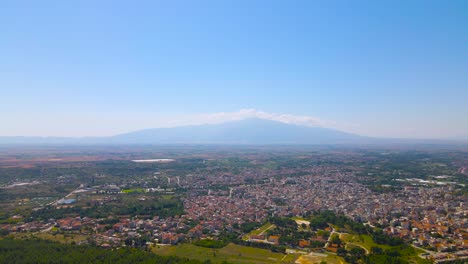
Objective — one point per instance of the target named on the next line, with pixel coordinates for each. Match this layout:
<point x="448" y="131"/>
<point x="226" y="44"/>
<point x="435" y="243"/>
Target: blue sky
<point x="378" y="68"/>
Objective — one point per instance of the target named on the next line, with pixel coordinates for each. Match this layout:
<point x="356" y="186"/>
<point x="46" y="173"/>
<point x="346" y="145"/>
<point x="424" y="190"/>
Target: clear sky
<point x="378" y="68"/>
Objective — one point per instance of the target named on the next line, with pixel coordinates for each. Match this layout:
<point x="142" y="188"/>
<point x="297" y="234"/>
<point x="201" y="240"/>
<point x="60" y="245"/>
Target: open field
<point x="133" y="190"/>
<point x="61" y="238"/>
<point x="231" y="253"/>
<point x="313" y="258"/>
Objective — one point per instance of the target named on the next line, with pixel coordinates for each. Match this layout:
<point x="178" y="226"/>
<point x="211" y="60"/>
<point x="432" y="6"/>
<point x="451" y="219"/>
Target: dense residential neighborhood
<point x="187" y="201"/>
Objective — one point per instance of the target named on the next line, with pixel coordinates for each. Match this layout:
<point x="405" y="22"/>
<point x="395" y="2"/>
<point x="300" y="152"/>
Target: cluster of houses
<point x="430" y="216"/>
<point x="435" y="219"/>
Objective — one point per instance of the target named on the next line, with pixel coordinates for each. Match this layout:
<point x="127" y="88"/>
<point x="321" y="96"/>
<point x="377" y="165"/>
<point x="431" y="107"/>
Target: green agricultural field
<point x="140" y="190"/>
<point x="231" y="253"/>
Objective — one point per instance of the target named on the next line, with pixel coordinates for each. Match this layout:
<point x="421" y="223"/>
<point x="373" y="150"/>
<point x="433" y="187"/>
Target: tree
<point x="376" y="250"/>
<point x="357" y="252"/>
<point x="341" y="252"/>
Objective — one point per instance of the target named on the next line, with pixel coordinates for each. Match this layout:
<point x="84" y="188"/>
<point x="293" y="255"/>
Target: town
<point x="257" y="198"/>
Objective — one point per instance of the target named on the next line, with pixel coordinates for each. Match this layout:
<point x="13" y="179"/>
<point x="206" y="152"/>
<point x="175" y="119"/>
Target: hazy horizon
<point x="380" y="69"/>
<point x="258" y="128"/>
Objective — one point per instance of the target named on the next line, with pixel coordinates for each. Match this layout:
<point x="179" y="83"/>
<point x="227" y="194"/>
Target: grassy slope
<point x="364" y="241"/>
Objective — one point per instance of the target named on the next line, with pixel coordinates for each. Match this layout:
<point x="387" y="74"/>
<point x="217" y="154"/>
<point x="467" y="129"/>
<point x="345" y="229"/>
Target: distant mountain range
<point x="249" y="131"/>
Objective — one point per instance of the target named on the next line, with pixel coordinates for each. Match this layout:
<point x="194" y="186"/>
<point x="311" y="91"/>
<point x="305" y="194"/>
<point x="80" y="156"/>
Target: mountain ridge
<point x="251" y="131"/>
<point x="247" y="131"/>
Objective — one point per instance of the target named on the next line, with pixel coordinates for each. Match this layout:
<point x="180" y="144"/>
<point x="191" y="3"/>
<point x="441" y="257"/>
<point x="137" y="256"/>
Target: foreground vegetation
<point x="42" y="251"/>
<point x="231" y="253"/>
